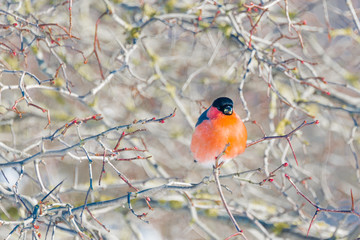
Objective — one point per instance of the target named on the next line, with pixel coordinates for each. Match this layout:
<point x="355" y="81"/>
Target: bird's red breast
<point x="214" y="130"/>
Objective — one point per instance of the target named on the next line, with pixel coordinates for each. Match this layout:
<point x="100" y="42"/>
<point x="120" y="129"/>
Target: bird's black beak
<point x="228" y="110"/>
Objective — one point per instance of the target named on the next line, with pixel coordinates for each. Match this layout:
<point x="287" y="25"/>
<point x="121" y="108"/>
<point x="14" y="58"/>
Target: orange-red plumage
<point x="216" y="127"/>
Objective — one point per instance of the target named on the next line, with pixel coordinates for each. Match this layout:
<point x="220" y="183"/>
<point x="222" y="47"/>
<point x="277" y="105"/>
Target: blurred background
<point x="78" y="76"/>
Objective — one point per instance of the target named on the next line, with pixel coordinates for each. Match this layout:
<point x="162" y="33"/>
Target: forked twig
<point x="286" y="136"/>
<point x="320" y="209"/>
<point x="216" y="173"/>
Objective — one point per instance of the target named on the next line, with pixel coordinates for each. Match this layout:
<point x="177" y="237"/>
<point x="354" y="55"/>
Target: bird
<point x="217" y="127"/>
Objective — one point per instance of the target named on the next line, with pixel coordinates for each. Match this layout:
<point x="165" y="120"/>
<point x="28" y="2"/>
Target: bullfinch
<point x="216" y="127"/>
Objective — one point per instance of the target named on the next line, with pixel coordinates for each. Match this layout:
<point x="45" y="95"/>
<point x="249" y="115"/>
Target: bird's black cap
<point x="224" y="104"/>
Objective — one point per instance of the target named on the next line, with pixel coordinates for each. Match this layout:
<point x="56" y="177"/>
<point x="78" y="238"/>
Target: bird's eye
<point x="228" y="110"/>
